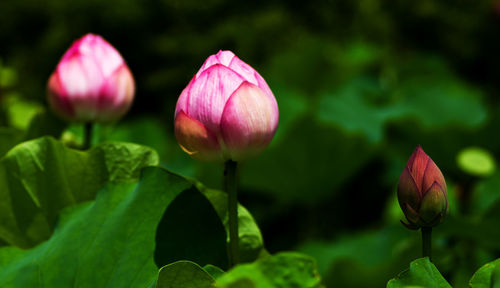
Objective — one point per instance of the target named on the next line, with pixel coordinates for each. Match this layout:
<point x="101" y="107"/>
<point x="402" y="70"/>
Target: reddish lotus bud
<point x="227" y="111"/>
<point x="91" y="83"/>
<point x="422" y="191"/>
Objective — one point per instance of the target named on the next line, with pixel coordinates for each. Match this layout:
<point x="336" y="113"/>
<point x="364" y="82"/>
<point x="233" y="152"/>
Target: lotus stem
<point x="230" y="181"/>
<point x="87" y="135"/>
<point x="427" y="242"/>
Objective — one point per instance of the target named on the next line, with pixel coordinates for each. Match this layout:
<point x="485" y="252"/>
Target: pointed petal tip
<point x="418" y="153"/>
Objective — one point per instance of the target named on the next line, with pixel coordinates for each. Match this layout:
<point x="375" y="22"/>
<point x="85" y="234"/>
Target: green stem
<point x="230" y="183"/>
<point x="87" y="135"/>
<point x="427" y="242"/>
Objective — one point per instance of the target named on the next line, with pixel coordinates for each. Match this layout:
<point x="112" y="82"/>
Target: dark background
<point x="359" y="85"/>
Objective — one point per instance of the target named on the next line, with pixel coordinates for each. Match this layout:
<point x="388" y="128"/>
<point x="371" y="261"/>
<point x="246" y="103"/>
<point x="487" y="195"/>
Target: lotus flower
<point x="422" y="191"/>
<point x="227" y="111"/>
<point x="91" y="83"/>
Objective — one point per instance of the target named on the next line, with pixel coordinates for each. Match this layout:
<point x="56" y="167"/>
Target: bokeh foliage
<point x="359" y="85"/>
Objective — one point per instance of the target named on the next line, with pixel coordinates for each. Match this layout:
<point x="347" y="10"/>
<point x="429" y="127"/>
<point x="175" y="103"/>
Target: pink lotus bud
<point x="227" y="111"/>
<point x="422" y="191"/>
<point x="91" y="83"/>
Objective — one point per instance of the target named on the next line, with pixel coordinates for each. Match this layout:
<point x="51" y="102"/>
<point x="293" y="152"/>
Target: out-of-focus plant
<point x="92" y="83"/>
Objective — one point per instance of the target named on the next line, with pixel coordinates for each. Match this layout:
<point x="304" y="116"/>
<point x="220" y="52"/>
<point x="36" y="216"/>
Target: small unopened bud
<point x="422" y="191"/>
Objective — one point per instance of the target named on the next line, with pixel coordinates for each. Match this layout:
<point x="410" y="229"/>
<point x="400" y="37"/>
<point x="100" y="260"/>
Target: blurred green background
<point x="359" y="84"/>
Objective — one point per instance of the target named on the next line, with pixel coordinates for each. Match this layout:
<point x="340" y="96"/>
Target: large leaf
<point x="40" y="177"/>
<point x="487" y="276"/>
<point x="422" y="273"/>
<point x="115" y="233"/>
<point x="190" y="229"/>
<point x="191" y="209"/>
<point x="106" y="243"/>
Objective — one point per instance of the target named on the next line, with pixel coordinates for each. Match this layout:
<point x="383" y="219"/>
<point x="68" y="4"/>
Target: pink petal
<point x="249" y="121"/>
<point x="182" y="102"/>
<point x="208" y="95"/>
<point x="250" y="74"/>
<point x="408" y="192"/>
<point x="223" y="58"/>
<point x="80" y="76"/>
<point x="95" y="47"/>
<point x="433" y="174"/>
<point x="242" y="68"/>
<point x="195" y="139"/>
<point x="417" y="165"/>
<point x="116" y="95"/>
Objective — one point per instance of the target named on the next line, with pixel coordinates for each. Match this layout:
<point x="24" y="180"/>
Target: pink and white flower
<point x="91" y="83"/>
<point x="227" y="111"/>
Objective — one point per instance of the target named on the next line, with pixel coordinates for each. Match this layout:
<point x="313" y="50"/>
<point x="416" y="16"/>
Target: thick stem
<point x="427" y="242"/>
<point x="230" y="183"/>
<point x="87" y="135"/>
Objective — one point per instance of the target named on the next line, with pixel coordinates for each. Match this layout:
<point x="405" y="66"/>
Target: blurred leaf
<point x="487" y="276"/>
<point x="481" y="231"/>
<point x="108" y="242"/>
<point x="359" y="55"/>
<point x="281" y="270"/>
<point x="422" y="273"/>
<point x="146" y="131"/>
<point x="363" y="259"/>
<point x="41" y="124"/>
<point x="292" y="106"/>
<point x="8" y="76"/>
<point x="300" y="167"/>
<point x="184" y="274"/>
<point x="42" y="176"/>
<point x="476" y="161"/>
<point x="361" y="106"/>
<point x="352" y="108"/>
<point x="486" y="194"/>
<point x="9" y="137"/>
<point x="440" y="102"/>
<point x="302" y="66"/>
<point x="44" y="123"/>
<point x="20" y="111"/>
